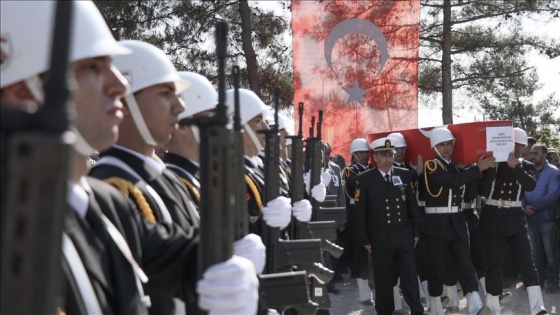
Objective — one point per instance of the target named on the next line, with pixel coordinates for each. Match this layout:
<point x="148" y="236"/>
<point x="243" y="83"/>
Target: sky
<point x="548" y="70"/>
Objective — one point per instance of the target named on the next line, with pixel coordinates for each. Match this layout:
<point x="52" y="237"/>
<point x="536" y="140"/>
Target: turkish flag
<point x="358" y="62"/>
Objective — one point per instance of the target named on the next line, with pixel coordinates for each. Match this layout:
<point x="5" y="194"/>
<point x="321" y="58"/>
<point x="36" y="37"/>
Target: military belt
<point x="468" y="205"/>
<point x="504" y="203"/>
<point x="435" y="210"/>
<point x="421" y="203"/>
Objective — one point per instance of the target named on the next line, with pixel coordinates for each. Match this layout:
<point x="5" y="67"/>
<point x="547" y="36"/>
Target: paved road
<point x="347" y="302"/>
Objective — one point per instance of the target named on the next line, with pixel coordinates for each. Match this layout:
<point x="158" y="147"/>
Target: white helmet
<point x="26" y="37"/>
<point x="400" y="143"/>
<point x="358" y="145"/>
<point x="199" y="97"/>
<point x="146" y="66"/>
<point x="520" y="136"/>
<point x="250" y="105"/>
<point x="440" y="135"/>
<point x="26" y="29"/>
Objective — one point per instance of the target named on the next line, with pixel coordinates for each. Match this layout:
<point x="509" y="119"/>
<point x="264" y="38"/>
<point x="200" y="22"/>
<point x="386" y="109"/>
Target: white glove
<point x="252" y="248"/>
<point x="325" y="177"/>
<point x="230" y="287"/>
<point x="278" y="212"/>
<point x="302" y="210"/>
<point x="307" y="181"/>
<point x="319" y="192"/>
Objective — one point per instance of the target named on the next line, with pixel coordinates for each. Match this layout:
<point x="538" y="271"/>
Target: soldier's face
<point x="98" y="109"/>
<point x="519" y="151"/>
<point x="384" y="160"/>
<point x="160" y="107"/>
<point x="362" y="156"/>
<point x="257" y="123"/>
<point x="445" y="149"/>
<point x="400" y="153"/>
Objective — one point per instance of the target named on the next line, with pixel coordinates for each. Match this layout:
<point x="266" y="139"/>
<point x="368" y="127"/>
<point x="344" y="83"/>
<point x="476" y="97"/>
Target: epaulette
<point x="194" y="192"/>
<point x="349" y="171"/>
<point x="255" y="192"/>
<point x="430" y="167"/>
<point x="128" y="189"/>
<point x="357" y="192"/>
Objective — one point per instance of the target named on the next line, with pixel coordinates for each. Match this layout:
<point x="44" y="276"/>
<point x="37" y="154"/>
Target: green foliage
<point x="185" y="31"/>
<point x="489" y="53"/>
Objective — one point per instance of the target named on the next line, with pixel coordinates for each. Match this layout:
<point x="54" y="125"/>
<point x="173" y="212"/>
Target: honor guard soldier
<point x="445" y="226"/>
<point x="278" y="212"/>
<point x="110" y="253"/>
<point x="359" y="150"/>
<point x="183" y="150"/>
<point x="151" y="114"/>
<point x="386" y="217"/>
<point x="502" y="222"/>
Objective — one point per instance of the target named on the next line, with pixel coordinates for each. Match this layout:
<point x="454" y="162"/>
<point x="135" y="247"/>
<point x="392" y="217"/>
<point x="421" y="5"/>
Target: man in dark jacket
<point x="386" y="218"/>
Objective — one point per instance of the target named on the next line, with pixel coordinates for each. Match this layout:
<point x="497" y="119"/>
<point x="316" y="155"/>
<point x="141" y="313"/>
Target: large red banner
<point x="358" y="62"/>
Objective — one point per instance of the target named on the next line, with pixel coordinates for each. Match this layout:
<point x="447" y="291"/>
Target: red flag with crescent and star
<point x="358" y="62"/>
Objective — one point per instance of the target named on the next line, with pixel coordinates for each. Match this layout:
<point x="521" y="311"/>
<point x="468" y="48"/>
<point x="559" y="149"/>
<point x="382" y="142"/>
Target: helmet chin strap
<point x="35" y="86"/>
<point x="196" y="133"/>
<point x="80" y="143"/>
<point x="139" y="120"/>
<point x="253" y="137"/>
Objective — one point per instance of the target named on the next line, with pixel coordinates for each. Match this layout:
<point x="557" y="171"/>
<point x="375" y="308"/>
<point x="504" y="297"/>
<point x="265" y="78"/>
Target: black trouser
<point x="494" y="247"/>
<point x="385" y="263"/>
<point x="437" y="249"/>
<point x="422" y="265"/>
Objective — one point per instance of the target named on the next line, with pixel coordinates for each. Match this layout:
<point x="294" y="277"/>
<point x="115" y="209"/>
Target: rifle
<point x="276" y="290"/>
<point x="241" y="224"/>
<point x="36" y="152"/>
<point x="216" y="217"/>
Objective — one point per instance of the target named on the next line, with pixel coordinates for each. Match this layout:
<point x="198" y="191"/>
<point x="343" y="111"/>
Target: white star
<point x="355" y="94"/>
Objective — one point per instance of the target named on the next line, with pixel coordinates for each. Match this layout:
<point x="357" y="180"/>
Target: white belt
<point x="504" y="203"/>
<point x="421" y="203"/>
<point x="432" y="210"/>
<point x="469" y="205"/>
<point x="78" y="270"/>
<point x="352" y="201"/>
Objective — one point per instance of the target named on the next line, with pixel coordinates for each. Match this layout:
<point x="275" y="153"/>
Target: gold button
<point x="399" y="214"/>
<point x="454" y="196"/>
<point x="509" y="192"/>
<point x="398" y="206"/>
<point x="510" y="184"/>
<point x="388" y="214"/>
<point x="389" y="221"/>
<point x="501" y="191"/>
<point x="386" y="200"/>
<point x="397" y="199"/>
<point x="505" y="184"/>
<point x="387" y="208"/>
<point x="399" y="220"/>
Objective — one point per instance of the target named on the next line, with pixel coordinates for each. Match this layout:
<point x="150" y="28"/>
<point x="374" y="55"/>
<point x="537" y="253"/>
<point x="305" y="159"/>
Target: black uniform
<point x="502" y="222"/>
<point x="353" y="251"/>
<point x="386" y="217"/>
<point x="187" y="171"/>
<point x="166" y="254"/>
<point x="176" y="199"/>
<point x="445" y="226"/>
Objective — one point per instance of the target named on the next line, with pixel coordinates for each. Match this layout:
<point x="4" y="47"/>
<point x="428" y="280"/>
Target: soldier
<point x="103" y="271"/>
<point x="386" y="217"/>
<point x="446" y="229"/>
<point x="276" y="213"/>
<point x="359" y="149"/>
<point x="502" y="221"/>
<point x="183" y="150"/>
<point x="150" y="116"/>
